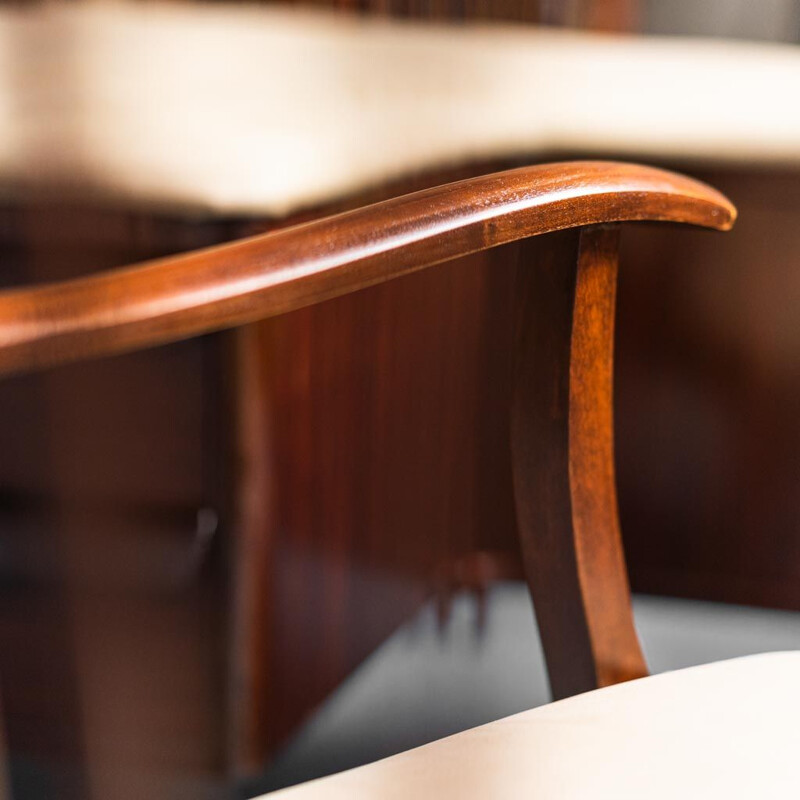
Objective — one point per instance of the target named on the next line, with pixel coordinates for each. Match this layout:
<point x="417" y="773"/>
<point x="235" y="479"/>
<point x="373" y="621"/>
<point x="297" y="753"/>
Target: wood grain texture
<point x="562" y="450"/>
<point x="378" y="407"/>
<point x="225" y="286"/>
<point x="383" y="462"/>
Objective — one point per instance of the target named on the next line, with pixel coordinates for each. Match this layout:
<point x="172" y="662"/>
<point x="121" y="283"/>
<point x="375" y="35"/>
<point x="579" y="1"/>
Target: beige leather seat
<point x="724" y="730"/>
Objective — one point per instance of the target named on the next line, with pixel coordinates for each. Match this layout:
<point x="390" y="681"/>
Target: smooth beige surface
<point x="726" y="730"/>
<point x="235" y="109"/>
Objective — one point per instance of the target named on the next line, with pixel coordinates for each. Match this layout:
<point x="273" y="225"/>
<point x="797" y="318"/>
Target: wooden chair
<point x="728" y="728"/>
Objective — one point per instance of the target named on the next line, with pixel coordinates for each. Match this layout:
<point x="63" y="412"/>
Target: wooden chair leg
<point x="563" y="460"/>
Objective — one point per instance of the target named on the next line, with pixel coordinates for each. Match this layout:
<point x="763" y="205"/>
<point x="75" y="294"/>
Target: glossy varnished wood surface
<point x="562" y="447"/>
<point x="381" y="463"/>
<point x="276" y="273"/>
<point x="373" y="404"/>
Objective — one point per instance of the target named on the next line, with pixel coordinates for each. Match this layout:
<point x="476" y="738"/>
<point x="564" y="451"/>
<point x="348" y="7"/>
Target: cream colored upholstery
<point x="255" y="110"/>
<point x="726" y="730"/>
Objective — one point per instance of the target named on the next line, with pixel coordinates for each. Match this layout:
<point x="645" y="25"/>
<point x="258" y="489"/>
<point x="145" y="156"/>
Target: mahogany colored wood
<point x="112" y="619"/>
<point x="562" y="446"/>
<point x="320" y="358"/>
<point x="615" y="15"/>
<point x="708" y="394"/>
<point x="264" y="276"/>
<point x="386" y="451"/>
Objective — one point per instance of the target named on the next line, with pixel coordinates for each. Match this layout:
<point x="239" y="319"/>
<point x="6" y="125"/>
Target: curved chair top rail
<point x="250" y="279"/>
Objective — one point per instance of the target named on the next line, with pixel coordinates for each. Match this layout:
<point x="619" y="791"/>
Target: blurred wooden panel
<point x="708" y="400"/>
<point x="610" y="15"/>
<point x="385" y="453"/>
<point x="110" y="619"/>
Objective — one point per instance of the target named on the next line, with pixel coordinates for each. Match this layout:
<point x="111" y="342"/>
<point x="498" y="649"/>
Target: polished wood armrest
<point x="555" y="345"/>
<point x="254" y="278"/>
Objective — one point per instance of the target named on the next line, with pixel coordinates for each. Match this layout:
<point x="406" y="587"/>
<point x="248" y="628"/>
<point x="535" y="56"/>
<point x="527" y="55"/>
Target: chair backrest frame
<point x="561" y="415"/>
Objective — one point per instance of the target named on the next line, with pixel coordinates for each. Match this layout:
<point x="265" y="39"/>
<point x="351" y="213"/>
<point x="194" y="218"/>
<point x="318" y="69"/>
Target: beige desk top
<point x="257" y="110"/>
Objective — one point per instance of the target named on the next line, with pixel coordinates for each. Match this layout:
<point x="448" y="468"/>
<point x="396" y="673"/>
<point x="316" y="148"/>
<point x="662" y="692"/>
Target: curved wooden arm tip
<point x="275" y="273"/>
